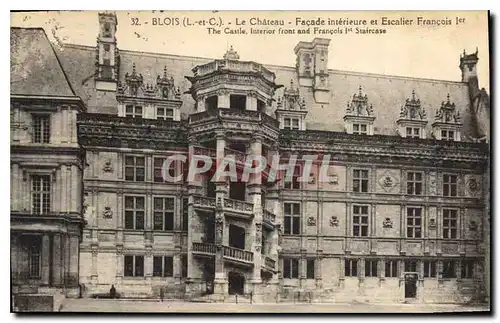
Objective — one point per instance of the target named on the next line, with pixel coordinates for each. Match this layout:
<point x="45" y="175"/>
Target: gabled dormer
<point x="447" y="122"/>
<point x="412" y="119"/>
<point x="359" y="116"/>
<point x="291" y="109"/>
<point x="137" y="99"/>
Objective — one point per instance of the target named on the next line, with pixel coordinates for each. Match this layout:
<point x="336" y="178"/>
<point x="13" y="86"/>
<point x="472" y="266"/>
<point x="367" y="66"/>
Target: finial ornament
<point x="231" y="54"/>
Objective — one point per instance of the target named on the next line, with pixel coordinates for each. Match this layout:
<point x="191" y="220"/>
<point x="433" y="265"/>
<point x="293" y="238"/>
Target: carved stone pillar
<point x="223" y="99"/>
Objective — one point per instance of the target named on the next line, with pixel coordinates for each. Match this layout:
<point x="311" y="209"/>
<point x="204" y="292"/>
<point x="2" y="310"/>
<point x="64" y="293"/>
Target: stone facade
<point x="402" y="218"/>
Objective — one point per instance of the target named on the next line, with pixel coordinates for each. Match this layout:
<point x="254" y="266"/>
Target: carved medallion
<point x="388" y="181"/>
<point x="107" y="168"/>
<point x="311" y="221"/>
<point x="473" y="226"/>
<point x="107" y="213"/>
<point x="334" y="221"/>
<point x="432" y="224"/>
<point x="387" y="224"/>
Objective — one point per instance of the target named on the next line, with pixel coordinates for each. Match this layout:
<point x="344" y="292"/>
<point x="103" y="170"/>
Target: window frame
<point x="35" y="272"/>
<point x="164" y="213"/>
<point x="447" y="134"/>
<point x="134" y="266"/>
<point x="450" y="185"/>
<point x="135" y="167"/>
<point x="414" y="183"/>
<point x="360" y="224"/>
<point x="291" y="267"/>
<point x="411" y="213"/>
<point x="164" y="270"/>
<point x="411" y="265"/>
<point x="358" y="177"/>
<point x="415" y="132"/>
<point x="430" y="268"/>
<point x="164" y="116"/>
<point x="391" y="267"/>
<point x="43" y="196"/>
<point x="43" y="134"/>
<point x="467" y="269"/>
<point x="348" y="267"/>
<point x="288" y="123"/>
<point x="134" y="211"/>
<point x="134" y="113"/>
<point x="294" y="218"/>
<point x="371" y="267"/>
<point x="295" y="183"/>
<point x="450" y="214"/>
<point x="357" y="128"/>
<point x="310" y="268"/>
<point x="446" y="270"/>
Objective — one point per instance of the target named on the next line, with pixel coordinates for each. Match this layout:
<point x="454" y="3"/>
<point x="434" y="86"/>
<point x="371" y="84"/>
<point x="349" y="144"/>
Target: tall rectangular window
<point x="450" y="223"/>
<point x="359" y="129"/>
<point x="163" y="213"/>
<point x="310" y="268"/>
<point x="290" y="267"/>
<point x="184" y="266"/>
<point x="351" y="267"/>
<point x="294" y="184"/>
<point x="449" y="185"/>
<point x="133" y="111"/>
<point x="360" y="220"/>
<point x="413" y="222"/>
<point x="292" y="218"/>
<point x="164" y="114"/>
<point x="411" y="265"/>
<point x="135" y="168"/>
<point x="134" y="212"/>
<point x="430" y="268"/>
<point x="467" y="270"/>
<point x="34" y="258"/>
<point x="371" y="268"/>
<point x="133" y="266"/>
<point x="185" y="213"/>
<point x="360" y="180"/>
<point x="41" y="128"/>
<point x="163" y="266"/>
<point x="40" y="194"/>
<point x="449" y="269"/>
<point x="391" y="268"/>
<point x="414" y="183"/>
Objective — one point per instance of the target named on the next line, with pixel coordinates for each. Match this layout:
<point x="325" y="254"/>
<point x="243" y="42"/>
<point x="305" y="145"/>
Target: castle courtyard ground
<point x="173" y="306"/>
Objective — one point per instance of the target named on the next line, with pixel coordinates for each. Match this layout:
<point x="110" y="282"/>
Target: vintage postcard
<point x="250" y="161"/>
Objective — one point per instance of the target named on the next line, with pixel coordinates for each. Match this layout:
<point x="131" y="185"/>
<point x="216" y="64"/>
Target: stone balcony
<point x="223" y="65"/>
<point x="236" y="208"/>
<point x="230" y="254"/>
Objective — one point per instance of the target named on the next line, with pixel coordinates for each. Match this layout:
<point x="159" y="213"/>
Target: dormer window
<point x="412" y="119"/>
<point x="291" y="111"/>
<point x="133" y="111"/>
<point x="359" y="115"/>
<point x="447" y="135"/>
<point x="359" y="129"/>
<point x="413" y="132"/>
<point x="447" y="122"/>
<point x="291" y="123"/>
<point x="164" y="114"/>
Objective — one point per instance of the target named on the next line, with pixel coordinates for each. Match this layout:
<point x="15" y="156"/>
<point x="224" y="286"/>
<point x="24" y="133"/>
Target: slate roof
<point x="35" y="68"/>
<point x="386" y="93"/>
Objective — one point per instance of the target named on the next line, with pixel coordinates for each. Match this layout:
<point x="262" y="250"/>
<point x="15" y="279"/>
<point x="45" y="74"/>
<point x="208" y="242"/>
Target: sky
<point x="421" y="51"/>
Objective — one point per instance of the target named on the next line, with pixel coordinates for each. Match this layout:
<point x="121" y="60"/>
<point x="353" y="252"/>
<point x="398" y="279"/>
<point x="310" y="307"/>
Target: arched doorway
<point x="236" y="283"/>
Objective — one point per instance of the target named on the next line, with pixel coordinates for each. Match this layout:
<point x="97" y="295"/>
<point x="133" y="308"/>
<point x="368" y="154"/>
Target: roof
<point x="35" y="69"/>
<point x="386" y="93"/>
